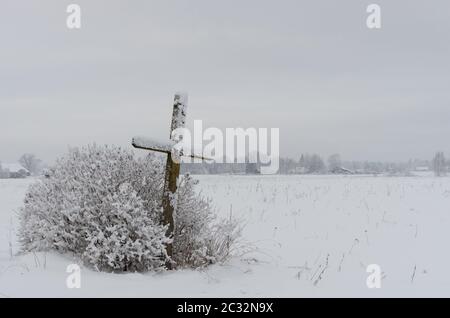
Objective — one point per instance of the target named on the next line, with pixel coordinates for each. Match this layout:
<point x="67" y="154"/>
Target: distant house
<point x="341" y="170"/>
<point x="298" y="170"/>
<point x="14" y="171"/>
<point x="252" y="168"/>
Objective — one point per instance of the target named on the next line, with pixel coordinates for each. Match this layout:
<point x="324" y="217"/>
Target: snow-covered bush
<point x="199" y="238"/>
<point x="102" y="204"/>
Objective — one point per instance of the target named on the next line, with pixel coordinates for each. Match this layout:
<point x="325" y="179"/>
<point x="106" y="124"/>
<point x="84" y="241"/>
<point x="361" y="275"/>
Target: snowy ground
<point x="307" y="237"/>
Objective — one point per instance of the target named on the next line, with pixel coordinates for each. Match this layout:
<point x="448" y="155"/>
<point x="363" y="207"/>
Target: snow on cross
<point x="172" y="172"/>
<point x="166" y="146"/>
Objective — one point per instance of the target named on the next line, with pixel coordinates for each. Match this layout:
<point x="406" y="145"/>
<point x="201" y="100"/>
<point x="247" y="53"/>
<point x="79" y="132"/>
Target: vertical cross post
<point x="172" y="172"/>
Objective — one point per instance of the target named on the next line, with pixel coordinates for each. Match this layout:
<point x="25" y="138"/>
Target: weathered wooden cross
<point x="172" y="165"/>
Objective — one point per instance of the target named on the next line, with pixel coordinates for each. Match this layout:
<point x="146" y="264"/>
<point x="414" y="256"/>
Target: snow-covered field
<point x="304" y="236"/>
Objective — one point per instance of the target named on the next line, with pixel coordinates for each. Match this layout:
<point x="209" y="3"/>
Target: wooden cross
<point x="172" y="165"/>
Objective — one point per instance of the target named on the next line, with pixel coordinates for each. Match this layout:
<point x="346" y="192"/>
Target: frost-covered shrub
<point x="199" y="238"/>
<point x="103" y="205"/>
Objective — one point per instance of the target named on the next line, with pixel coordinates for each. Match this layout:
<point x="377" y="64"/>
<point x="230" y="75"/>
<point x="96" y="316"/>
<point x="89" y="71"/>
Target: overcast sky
<point x="311" y="68"/>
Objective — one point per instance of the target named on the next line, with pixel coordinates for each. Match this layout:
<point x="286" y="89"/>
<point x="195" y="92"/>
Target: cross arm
<point x="165" y="147"/>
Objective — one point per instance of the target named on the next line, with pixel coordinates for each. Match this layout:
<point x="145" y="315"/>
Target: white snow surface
<point x="305" y="236"/>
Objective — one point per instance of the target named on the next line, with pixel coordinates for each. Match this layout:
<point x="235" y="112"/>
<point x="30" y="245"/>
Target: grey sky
<point x="311" y="68"/>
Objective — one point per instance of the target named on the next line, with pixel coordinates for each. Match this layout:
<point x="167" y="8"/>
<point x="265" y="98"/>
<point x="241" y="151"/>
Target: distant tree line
<point x="306" y="164"/>
<point x="315" y="164"/>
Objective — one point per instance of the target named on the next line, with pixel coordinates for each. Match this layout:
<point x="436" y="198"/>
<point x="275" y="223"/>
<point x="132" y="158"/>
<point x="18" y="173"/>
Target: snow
<point x="304" y="236"/>
<point x="179" y="110"/>
<point x="153" y="144"/>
